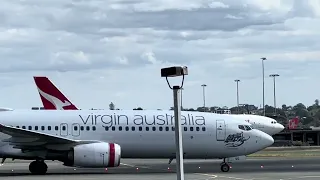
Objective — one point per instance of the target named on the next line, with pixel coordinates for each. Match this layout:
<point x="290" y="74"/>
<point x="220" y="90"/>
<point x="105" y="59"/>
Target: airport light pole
<point x="174" y="72"/>
<point x="262" y="60"/>
<point x="237" y="81"/>
<point x="181" y="98"/>
<point x="204" y="96"/>
<point x="274" y="92"/>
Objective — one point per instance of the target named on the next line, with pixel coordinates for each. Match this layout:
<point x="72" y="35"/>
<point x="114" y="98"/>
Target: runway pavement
<point x="133" y="169"/>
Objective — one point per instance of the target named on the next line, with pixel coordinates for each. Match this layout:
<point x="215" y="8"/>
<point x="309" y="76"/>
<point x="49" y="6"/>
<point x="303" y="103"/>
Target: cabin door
<point x="221" y="130"/>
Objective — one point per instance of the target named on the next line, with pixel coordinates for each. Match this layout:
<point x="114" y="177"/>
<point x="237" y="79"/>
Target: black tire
<point x="38" y="167"/>
<point x="225" y="168"/>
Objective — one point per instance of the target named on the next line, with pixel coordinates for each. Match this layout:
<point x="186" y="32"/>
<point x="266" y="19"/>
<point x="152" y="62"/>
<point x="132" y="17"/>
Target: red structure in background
<point x="293" y="123"/>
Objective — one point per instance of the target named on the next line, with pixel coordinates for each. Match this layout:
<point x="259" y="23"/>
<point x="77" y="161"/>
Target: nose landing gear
<point x="225" y="167"/>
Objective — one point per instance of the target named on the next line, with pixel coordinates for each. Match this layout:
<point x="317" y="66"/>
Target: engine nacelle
<point x="95" y="155"/>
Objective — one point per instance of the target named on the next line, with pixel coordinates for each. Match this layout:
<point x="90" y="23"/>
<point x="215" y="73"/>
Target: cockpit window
<point x="251" y="127"/>
<point x="245" y="127"/>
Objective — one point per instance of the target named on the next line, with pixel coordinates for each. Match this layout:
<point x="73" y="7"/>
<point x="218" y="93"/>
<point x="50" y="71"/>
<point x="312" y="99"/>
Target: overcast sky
<point x="99" y="51"/>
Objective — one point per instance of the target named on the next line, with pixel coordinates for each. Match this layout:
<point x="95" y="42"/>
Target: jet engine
<point x="94" y="155"/>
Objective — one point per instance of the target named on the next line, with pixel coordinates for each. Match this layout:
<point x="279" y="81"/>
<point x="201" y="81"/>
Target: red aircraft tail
<point x="50" y="95"/>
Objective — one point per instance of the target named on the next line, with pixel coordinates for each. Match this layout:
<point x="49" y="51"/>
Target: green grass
<point x="291" y="153"/>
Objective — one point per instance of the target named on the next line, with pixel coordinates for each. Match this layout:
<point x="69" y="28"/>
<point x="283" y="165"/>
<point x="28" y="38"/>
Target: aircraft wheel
<point x="38" y="167"/>
<point x="225" y="167"/>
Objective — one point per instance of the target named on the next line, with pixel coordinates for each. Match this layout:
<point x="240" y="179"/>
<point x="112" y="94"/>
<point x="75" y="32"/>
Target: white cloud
<point x="114" y="50"/>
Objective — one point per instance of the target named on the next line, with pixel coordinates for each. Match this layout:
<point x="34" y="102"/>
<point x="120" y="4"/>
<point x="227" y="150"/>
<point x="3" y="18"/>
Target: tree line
<point x="309" y="115"/>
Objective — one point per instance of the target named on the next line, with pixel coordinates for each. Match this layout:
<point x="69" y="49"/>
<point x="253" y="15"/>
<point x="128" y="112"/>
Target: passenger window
<point x="75" y="128"/>
<point x="87" y="128"/>
<point x="167" y="128"/>
<point x="23" y="127"/>
<point x="140" y="128"/>
<point x="191" y="128"/>
<point x="197" y="129"/>
<point x="203" y="128"/>
<point x="172" y="128"/>
<point x="63" y="128"/>
<point x="160" y="128"/>
<point x="241" y="127"/>
<point x="185" y="128"/>
<point x="30" y="128"/>
<point x="147" y="128"/>
<point x="17" y="126"/>
<point x="106" y="128"/>
<point x="120" y="128"/>
<point x="93" y="128"/>
<point x="49" y="128"/>
<point x="56" y="128"/>
<point x="153" y="128"/>
<point x="133" y="128"/>
<point x="36" y="128"/>
<point x="81" y="128"/>
<point x="127" y="128"/>
<point x="113" y="128"/>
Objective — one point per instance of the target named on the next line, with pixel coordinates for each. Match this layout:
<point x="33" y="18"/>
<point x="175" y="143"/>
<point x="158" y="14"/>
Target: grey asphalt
<point x="135" y="169"/>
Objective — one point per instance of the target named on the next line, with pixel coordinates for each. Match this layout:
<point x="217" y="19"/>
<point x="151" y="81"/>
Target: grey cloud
<point x="199" y="19"/>
<point x="88" y="17"/>
<point x="104" y="35"/>
<point x="300" y="9"/>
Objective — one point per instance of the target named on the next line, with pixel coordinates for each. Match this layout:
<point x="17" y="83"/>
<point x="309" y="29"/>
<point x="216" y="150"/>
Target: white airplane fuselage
<point x="262" y="123"/>
<point x="140" y="134"/>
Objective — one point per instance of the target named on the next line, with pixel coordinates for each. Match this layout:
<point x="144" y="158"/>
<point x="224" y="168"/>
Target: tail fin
<point x="293" y="123"/>
<point x="50" y="95"/>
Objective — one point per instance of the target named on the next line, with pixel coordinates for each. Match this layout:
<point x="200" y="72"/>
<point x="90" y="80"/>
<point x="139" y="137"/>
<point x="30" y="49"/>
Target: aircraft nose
<point x="280" y="127"/>
<point x="267" y="140"/>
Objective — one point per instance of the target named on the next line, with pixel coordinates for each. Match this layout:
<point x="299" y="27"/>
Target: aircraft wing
<point x="31" y="140"/>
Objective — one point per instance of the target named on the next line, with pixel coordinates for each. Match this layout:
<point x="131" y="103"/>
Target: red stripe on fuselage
<point x="112" y="155"/>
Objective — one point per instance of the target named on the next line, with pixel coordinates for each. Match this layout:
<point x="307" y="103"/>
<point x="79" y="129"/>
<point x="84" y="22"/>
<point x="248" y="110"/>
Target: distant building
<point x="222" y="111"/>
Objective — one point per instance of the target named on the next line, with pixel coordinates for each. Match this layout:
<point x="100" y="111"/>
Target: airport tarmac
<point x="136" y="169"/>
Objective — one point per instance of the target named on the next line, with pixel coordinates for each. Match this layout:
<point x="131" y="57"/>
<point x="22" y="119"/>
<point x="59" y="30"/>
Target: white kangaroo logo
<point x="55" y="101"/>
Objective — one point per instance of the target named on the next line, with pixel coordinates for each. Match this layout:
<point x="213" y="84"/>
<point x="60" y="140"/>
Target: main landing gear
<point x="225" y="167"/>
<point x="38" y="167"/>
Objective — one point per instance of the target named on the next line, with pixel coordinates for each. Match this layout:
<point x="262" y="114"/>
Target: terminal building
<point x="222" y="111"/>
<point x="298" y="137"/>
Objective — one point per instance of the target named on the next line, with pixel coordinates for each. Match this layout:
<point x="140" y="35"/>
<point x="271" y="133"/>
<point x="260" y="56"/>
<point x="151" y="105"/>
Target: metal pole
<point x="264" y="111"/>
<point x="237" y="81"/>
<point x="274" y="95"/>
<point x="181" y="100"/>
<point x="274" y="92"/>
<point x="204" y="96"/>
<point x="178" y="133"/>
